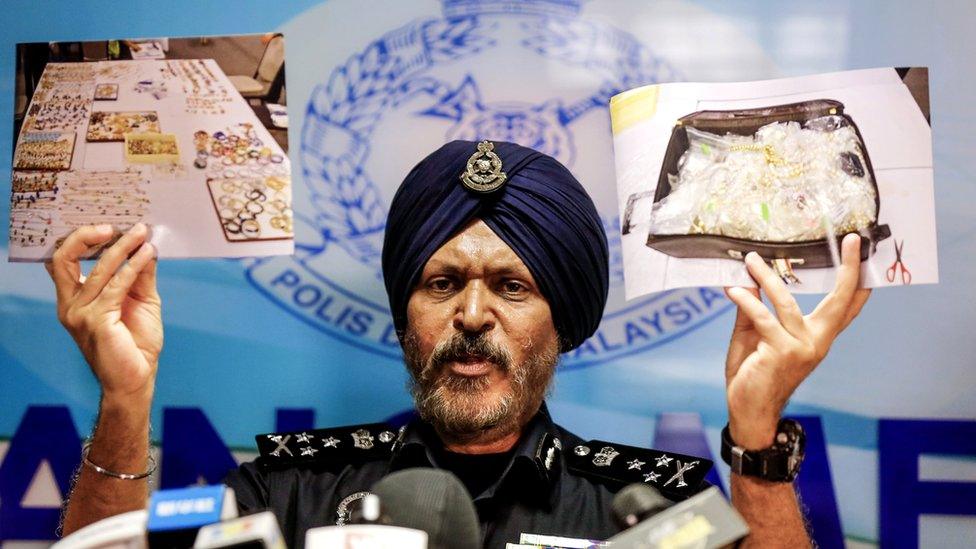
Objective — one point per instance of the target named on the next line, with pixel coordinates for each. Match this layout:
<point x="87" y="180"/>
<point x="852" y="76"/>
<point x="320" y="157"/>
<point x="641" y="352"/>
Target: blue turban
<point x="541" y="212"/>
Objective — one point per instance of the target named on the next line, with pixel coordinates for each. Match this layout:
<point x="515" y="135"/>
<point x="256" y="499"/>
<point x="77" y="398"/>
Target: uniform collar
<point x="533" y="469"/>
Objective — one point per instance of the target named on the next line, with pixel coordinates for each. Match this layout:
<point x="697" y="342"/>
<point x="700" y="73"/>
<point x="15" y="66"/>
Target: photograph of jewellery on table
<point x="106" y="92"/>
<point x="708" y="177"/>
<point x="44" y="151"/>
<point x="174" y="143"/>
<point x="257" y="208"/>
<point x="112" y="126"/>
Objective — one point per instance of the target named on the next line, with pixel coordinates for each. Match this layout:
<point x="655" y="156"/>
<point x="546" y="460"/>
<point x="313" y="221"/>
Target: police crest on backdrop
<point x="441" y="72"/>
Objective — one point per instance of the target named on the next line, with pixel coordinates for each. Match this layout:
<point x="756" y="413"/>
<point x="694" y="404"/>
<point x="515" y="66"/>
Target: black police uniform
<point x="551" y="483"/>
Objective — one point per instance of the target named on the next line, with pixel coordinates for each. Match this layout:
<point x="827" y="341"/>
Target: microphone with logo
<point x="703" y="521"/>
<point x="172" y="519"/>
<point x="417" y="508"/>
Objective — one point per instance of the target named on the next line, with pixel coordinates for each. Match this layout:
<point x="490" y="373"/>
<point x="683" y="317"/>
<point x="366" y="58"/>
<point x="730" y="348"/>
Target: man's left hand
<point x="771" y="354"/>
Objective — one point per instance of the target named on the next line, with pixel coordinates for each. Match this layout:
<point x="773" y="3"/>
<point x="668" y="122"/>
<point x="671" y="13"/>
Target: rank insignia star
<point x="651" y="477"/>
<point x="663" y="461"/>
<point x="331" y="442"/>
<point x="308" y="451"/>
<point x="635" y="464"/>
<point x="303" y="437"/>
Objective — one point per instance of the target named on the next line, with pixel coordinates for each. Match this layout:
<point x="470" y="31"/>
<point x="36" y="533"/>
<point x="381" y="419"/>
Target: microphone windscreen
<point x="431" y="500"/>
<point x="636" y="502"/>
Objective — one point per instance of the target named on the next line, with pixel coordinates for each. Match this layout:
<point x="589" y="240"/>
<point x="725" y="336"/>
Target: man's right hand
<point x="113" y="314"/>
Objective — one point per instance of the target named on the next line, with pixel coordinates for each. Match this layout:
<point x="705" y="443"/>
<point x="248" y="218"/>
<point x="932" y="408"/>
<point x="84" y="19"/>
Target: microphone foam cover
<point x="636" y="502"/>
<point x="431" y="500"/>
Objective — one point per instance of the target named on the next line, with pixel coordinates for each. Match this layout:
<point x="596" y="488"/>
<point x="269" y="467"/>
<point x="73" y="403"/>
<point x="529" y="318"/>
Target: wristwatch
<point x="778" y="463"/>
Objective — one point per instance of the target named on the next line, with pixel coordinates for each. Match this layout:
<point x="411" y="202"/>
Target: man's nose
<point x="475" y="314"/>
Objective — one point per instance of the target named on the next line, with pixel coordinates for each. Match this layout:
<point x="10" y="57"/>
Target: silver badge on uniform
<point x="362" y="439"/>
<point x="680" y="475"/>
<point x="331" y="442"/>
<point x="605" y="456"/>
<point x="344" y="510"/>
<point x="281" y="441"/>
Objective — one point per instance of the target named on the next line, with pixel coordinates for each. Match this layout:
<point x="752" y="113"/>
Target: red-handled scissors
<point x="906" y="275"/>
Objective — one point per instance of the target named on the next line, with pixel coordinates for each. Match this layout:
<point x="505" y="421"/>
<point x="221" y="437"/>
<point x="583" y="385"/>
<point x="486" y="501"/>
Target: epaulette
<point x="675" y="475"/>
<point x="333" y="446"/>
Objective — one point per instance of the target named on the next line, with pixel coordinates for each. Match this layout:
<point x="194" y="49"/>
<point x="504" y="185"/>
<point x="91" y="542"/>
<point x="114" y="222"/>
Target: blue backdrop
<point x="256" y="345"/>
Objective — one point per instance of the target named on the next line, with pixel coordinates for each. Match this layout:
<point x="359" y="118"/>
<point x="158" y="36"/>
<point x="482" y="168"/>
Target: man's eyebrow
<point x="502" y="269"/>
<point x="440" y="266"/>
<point x="510" y="270"/>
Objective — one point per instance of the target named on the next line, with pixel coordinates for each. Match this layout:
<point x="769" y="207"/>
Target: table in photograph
<point x="169" y="143"/>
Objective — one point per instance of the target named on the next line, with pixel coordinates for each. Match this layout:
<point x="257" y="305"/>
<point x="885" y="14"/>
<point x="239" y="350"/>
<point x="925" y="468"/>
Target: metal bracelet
<point x="113" y="474"/>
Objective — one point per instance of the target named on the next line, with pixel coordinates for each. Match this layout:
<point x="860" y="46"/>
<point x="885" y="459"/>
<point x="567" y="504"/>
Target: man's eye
<point x="441" y="285"/>
<point x="512" y="287"/>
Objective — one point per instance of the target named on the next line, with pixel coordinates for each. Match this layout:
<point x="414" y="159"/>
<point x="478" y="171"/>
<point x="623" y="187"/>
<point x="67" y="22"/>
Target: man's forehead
<point x="476" y="246"/>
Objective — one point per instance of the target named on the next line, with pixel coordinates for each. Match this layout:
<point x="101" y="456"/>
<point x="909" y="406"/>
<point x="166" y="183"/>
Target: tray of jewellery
<point x="253" y="208"/>
<point x="106" y="92"/>
<point x="151" y="148"/>
<point x="112" y="126"/>
<point x="777" y="180"/>
<point x="44" y="151"/>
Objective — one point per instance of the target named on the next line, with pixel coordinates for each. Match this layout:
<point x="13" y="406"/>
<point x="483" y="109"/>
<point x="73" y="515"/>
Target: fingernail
<point x="103" y="228"/>
<point x="137" y="228"/>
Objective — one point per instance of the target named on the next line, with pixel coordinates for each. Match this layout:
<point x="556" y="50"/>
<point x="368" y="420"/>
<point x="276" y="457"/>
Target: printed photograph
<point x="707" y="173"/>
<point x="186" y="135"/>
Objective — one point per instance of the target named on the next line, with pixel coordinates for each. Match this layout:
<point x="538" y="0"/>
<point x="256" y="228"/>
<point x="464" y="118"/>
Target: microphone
<point x="175" y="516"/>
<point x="431" y="500"/>
<point x="418" y="508"/>
<point x="122" y="531"/>
<point x="365" y="536"/>
<point x="257" y="531"/>
<point x="635" y="503"/>
<point x="172" y="520"/>
<point x="703" y="521"/>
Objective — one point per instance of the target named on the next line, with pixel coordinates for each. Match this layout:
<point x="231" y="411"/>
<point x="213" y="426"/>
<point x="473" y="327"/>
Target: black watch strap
<point x="778" y="463"/>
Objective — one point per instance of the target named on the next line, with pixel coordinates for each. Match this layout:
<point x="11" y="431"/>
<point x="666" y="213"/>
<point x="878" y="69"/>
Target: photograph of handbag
<point x="778" y="180"/>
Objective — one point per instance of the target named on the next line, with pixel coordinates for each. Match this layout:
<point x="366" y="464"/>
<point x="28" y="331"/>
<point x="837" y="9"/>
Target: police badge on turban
<point x="484" y="173"/>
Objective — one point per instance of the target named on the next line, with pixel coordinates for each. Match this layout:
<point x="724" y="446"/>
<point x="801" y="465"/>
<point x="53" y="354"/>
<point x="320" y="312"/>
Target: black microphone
<point x="431" y="500"/>
<point x="705" y="520"/>
<point x="635" y="503"/>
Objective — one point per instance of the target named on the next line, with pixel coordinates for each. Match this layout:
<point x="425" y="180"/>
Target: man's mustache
<point x="462" y="347"/>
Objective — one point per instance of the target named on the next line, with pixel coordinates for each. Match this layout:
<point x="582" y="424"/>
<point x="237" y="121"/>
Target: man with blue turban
<point x="495" y="262"/>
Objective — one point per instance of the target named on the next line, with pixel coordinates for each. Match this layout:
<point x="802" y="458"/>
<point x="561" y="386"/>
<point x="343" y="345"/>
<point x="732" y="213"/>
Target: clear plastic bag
<point x="786" y="183"/>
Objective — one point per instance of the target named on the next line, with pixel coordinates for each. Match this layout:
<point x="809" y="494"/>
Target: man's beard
<point x="459" y="407"/>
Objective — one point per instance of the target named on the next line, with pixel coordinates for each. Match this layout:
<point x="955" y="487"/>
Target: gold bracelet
<point x="113" y="474"/>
